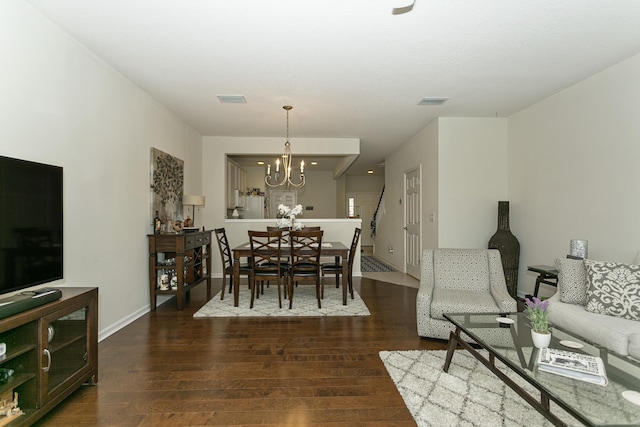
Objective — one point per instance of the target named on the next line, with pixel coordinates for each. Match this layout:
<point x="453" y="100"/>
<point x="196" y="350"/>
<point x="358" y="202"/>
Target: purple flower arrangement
<point x="537" y="312"/>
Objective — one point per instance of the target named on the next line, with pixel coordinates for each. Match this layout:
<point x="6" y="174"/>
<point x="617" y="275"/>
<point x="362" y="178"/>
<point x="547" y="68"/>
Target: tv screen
<point x="30" y="224"/>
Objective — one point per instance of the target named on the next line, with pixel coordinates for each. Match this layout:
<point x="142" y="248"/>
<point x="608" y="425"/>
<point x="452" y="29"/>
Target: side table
<point x="546" y="274"/>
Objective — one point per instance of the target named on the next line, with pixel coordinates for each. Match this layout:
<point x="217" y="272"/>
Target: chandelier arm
<point x="287" y="160"/>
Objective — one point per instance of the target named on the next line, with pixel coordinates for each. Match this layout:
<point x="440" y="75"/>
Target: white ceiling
<point x="349" y="67"/>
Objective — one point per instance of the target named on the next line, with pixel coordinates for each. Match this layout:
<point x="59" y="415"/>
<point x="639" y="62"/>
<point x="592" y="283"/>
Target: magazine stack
<point x="579" y="366"/>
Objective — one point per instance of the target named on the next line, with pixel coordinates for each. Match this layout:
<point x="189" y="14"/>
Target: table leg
<point x="453" y="344"/>
<point x="181" y="279"/>
<point x="538" y="280"/>
<point x="542" y="406"/>
<point x="236" y="279"/>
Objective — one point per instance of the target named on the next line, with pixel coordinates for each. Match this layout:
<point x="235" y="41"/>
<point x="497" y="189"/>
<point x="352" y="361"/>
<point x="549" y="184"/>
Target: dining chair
<point x="284" y="260"/>
<point x="285" y="231"/>
<point x="336" y="266"/>
<point x="266" y="251"/>
<point x="306" y="246"/>
<point x="227" y="261"/>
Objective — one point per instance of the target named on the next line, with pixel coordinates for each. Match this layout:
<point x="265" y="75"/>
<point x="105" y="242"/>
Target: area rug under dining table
<point x="304" y="304"/>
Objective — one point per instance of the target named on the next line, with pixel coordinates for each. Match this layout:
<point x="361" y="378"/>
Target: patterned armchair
<point x="459" y="281"/>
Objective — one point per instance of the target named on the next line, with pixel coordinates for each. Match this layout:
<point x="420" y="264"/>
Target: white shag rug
<point x="468" y="395"/>
<point x="304" y="304"/>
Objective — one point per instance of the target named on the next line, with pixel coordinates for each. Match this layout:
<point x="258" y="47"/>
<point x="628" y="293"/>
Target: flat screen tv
<point x="30" y="224"/>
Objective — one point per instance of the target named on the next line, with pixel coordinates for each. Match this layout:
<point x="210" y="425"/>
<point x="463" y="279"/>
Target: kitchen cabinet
<point x="232" y="183"/>
<point x="236" y="181"/>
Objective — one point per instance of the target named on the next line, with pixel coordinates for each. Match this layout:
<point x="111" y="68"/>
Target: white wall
<point x="464" y="172"/>
<point x="472" y="178"/>
<point x="365" y="183"/>
<point x="319" y="192"/>
<point x="420" y="150"/>
<point x="573" y="171"/>
<point x="62" y="105"/>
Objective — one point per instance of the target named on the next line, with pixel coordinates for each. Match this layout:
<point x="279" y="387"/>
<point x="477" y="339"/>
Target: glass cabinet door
<point x="65" y="348"/>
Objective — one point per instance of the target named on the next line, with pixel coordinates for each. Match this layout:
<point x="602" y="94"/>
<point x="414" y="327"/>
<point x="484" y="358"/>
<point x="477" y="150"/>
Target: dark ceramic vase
<point x="508" y="246"/>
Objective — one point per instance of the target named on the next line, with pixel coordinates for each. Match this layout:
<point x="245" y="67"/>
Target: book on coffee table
<point x="579" y="366"/>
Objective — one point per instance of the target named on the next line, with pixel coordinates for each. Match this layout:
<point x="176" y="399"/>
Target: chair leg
<point x="224" y="279"/>
<point x="230" y="286"/>
<point x="350" y="281"/>
<point x="286" y="286"/>
<point x="318" y="292"/>
<point x="290" y="293"/>
<point x="279" y="295"/>
<point x="252" y="285"/>
<point x="337" y="280"/>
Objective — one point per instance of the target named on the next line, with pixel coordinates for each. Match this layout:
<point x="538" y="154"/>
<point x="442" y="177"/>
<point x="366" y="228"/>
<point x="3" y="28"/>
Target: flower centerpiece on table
<point x="287" y="217"/>
<point x="537" y="312"/>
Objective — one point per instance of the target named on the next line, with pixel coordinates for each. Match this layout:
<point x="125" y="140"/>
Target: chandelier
<point x="282" y="174"/>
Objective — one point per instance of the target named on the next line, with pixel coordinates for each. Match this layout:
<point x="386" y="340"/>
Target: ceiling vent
<point x="232" y="99"/>
<point x="433" y="101"/>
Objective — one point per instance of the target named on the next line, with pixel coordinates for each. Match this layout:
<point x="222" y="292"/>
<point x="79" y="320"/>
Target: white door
<point x="412" y="222"/>
<point x="366" y="204"/>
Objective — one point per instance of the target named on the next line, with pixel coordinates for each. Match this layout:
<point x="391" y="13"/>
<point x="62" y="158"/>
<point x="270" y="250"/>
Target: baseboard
<point x="112" y="329"/>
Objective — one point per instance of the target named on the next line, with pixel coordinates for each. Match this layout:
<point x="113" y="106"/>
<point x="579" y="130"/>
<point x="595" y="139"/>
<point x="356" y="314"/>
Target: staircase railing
<point x="375" y="214"/>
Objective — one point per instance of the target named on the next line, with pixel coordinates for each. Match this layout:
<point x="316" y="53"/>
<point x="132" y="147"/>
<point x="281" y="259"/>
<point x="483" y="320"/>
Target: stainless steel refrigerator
<point x="254" y="207"/>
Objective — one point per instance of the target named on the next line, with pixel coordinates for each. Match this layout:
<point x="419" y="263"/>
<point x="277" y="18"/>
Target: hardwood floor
<point x="167" y="368"/>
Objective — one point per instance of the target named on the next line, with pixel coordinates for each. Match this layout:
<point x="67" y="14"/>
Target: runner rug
<point x="304" y="304"/>
<point x="469" y="395"/>
<point x="369" y="264"/>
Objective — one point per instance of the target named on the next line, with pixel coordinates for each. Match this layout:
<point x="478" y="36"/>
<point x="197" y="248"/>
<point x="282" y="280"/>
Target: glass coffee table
<point x="509" y="340"/>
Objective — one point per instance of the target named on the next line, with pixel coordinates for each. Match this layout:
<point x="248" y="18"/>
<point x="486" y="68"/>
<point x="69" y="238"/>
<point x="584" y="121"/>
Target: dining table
<point x="336" y="249"/>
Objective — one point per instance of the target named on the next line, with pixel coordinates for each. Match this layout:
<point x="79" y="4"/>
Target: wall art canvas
<point x="167" y="182"/>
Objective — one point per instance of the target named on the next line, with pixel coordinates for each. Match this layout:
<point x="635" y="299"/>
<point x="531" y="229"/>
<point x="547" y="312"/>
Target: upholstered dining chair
<point x="459" y="281"/>
<point x="227" y="261"/>
<point x="306" y="246"/>
<point x="336" y="266"/>
<point x="266" y="252"/>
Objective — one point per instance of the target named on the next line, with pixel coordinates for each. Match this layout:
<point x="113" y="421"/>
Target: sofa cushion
<point x="634" y="346"/>
<point x="614" y="289"/>
<point x="461" y="301"/>
<point x="461" y="269"/>
<point x="614" y="333"/>
<point x="572" y="281"/>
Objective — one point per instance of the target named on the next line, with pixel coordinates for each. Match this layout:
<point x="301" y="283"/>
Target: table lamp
<point x="193" y="201"/>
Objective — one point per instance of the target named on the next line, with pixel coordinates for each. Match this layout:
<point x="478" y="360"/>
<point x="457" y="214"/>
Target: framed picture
<point x="167" y="188"/>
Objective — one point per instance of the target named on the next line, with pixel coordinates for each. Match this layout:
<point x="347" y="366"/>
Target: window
<point x="351" y="206"/>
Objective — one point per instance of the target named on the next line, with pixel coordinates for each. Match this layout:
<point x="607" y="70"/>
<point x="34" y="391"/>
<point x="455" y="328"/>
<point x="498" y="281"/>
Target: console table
<point x="186" y="262"/>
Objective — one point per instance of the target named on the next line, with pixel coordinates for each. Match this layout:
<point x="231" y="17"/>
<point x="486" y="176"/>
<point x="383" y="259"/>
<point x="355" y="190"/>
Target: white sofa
<point x="459" y="281"/>
<point x="568" y="311"/>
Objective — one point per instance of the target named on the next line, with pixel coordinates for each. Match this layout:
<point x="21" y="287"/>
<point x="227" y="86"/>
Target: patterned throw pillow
<point x="572" y="281"/>
<point x="614" y="289"/>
